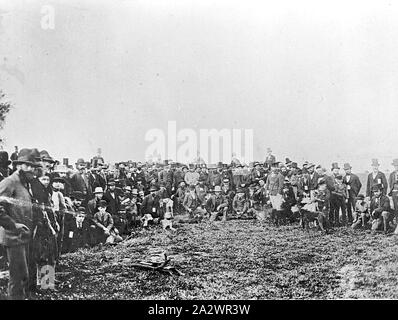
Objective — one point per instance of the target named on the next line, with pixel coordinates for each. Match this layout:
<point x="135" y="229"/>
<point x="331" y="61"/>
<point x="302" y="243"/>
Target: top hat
<point x="375" y="162"/>
<point x="28" y="156"/>
<point x="4" y="161"/>
<point x="98" y="190"/>
<point x="395" y="162"/>
<point x="347" y="166"/>
<point x="335" y="165"/>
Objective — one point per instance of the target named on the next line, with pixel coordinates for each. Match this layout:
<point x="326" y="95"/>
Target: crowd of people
<point x="48" y="209"/>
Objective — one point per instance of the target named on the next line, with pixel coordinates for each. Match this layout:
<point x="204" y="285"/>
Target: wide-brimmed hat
<point x="45" y="156"/>
<point x="98" y="190"/>
<point x="347" y="166"/>
<point x="29" y="157"/>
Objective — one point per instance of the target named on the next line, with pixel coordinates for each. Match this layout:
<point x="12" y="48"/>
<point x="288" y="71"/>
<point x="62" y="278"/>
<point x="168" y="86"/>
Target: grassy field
<point x="236" y="260"/>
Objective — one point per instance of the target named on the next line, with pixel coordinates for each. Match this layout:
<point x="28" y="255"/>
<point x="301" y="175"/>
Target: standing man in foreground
<point x="16" y="220"/>
<point x="353" y="187"/>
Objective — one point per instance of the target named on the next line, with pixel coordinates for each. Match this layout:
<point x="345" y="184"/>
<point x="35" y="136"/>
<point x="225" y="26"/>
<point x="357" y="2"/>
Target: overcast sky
<point x="315" y="80"/>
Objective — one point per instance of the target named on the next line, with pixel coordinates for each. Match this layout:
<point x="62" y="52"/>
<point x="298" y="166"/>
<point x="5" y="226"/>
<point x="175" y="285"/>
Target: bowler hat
<point x="360" y="197"/>
<point x="111" y="183"/>
<point x="28" y="156"/>
<point x="347" y="166"/>
<point x="395" y="162"/>
<point x="310" y="165"/>
<point x="288" y="161"/>
<point x="377" y="187"/>
<point x="153" y="188"/>
<point x="81" y="161"/>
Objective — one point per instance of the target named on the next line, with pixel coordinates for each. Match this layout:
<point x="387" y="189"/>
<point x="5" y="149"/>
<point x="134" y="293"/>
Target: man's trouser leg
<point x="350" y="209"/>
<point x="19" y="275"/>
<point x="343" y="212"/>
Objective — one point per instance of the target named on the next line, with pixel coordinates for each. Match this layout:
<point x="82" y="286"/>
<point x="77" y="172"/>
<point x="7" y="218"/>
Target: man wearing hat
<point x="354" y="185"/>
<point x="313" y="176"/>
<point x="79" y="181"/>
<point x="269" y="159"/>
<point x="150" y="206"/>
<point x="393" y="183"/>
<point x="376" y="177"/>
<point x="215" y="176"/>
<point x="89" y="234"/>
<point x="166" y="177"/>
<point x="274" y="183"/>
<point x="380" y="209"/>
<point x="5" y="171"/>
<point x="217" y="205"/>
<point x="16" y="221"/>
<point x="112" y="198"/>
<point x="239" y="203"/>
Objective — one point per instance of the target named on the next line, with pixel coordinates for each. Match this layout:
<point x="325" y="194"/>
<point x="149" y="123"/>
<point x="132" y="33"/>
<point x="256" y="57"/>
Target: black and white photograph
<point x="214" y="152"/>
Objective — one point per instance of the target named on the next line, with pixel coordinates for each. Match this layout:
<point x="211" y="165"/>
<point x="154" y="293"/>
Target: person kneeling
<point x="105" y="231"/>
<point x="362" y="216"/>
<point x="380" y="210"/>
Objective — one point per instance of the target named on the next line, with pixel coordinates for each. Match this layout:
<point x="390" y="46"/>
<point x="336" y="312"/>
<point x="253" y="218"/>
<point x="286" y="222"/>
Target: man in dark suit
<point x="270" y="159"/>
<point x="353" y="187"/>
<point x="80" y="181"/>
<point x="376" y="178"/>
<point x="313" y="175"/>
<point x="393" y="183"/>
<point x="112" y="199"/>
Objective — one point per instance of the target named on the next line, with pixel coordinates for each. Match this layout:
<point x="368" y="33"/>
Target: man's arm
<point x="5" y="193"/>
